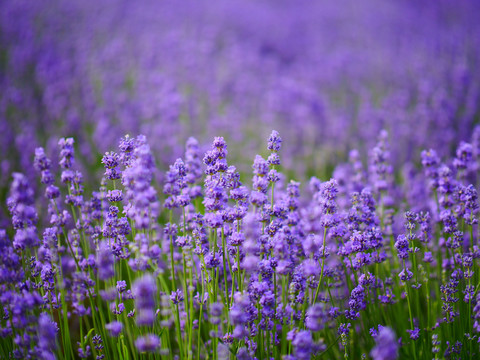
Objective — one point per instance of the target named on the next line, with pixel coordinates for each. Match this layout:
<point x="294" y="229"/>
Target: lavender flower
<point x="105" y="262"/>
<point x="274" y="141"/>
<point x="47" y="334"/>
<point x="386" y="347"/>
<point x="234" y="276"/>
<point x="66" y="152"/>
<point x="111" y="161"/>
<point x="24" y="215"/>
<point x="147" y="343"/>
<point x="464" y="156"/>
<point x="414" y="334"/>
<point x="303" y="345"/>
<point x="316" y="317"/>
<point x="144" y="290"/>
<point x="115" y="328"/>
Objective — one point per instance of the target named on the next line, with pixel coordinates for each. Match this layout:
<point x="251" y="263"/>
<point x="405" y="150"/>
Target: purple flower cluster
<point x="360" y="214"/>
<point x="386" y="347"/>
<point x="215" y="265"/>
<point x="250" y="67"/>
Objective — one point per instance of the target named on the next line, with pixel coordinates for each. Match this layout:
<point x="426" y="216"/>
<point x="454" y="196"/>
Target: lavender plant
<point x="96" y="70"/>
<point x="213" y="268"/>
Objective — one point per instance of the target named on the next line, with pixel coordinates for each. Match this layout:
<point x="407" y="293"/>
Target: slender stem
<point x="323" y="264"/>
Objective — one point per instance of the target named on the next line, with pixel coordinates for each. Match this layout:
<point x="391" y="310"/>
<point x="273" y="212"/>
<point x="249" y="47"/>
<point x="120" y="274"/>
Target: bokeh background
<point x="328" y="75"/>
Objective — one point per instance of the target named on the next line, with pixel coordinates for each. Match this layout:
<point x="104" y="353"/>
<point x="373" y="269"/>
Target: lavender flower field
<point x="269" y="179"/>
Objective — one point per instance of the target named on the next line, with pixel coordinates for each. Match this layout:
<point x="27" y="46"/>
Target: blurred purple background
<point x="328" y="75"/>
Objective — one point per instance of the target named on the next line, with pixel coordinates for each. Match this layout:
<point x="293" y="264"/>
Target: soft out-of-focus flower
<point x="147" y="343"/>
<point x="386" y="347"/>
<point x="144" y="290"/>
<point x="115" y="328"/>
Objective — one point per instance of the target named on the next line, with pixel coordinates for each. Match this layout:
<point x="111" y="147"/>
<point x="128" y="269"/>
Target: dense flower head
<point x="467" y="198"/>
<point x="403" y="247"/>
<point x="326" y="196"/>
<point x="464" y="155"/>
<point x="193" y="161"/>
<point x="175" y="183"/>
<point x="126" y="145"/>
<point x="66" y="152"/>
<point x="23" y="213"/>
<point x="111" y="161"/>
<point x="381" y="168"/>
<point x="260" y="166"/>
<point x="274" y="141"/>
<point x="446" y="186"/>
<point x="215" y="158"/>
<point x="142" y="204"/>
<point x="121" y="286"/>
<point x="20" y="202"/>
<point x="115" y="195"/>
<point x="41" y="162"/>
<point x="430" y="158"/>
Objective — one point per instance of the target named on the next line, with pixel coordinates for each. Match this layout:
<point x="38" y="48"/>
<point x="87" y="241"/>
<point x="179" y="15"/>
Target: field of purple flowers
<point x="129" y="229"/>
